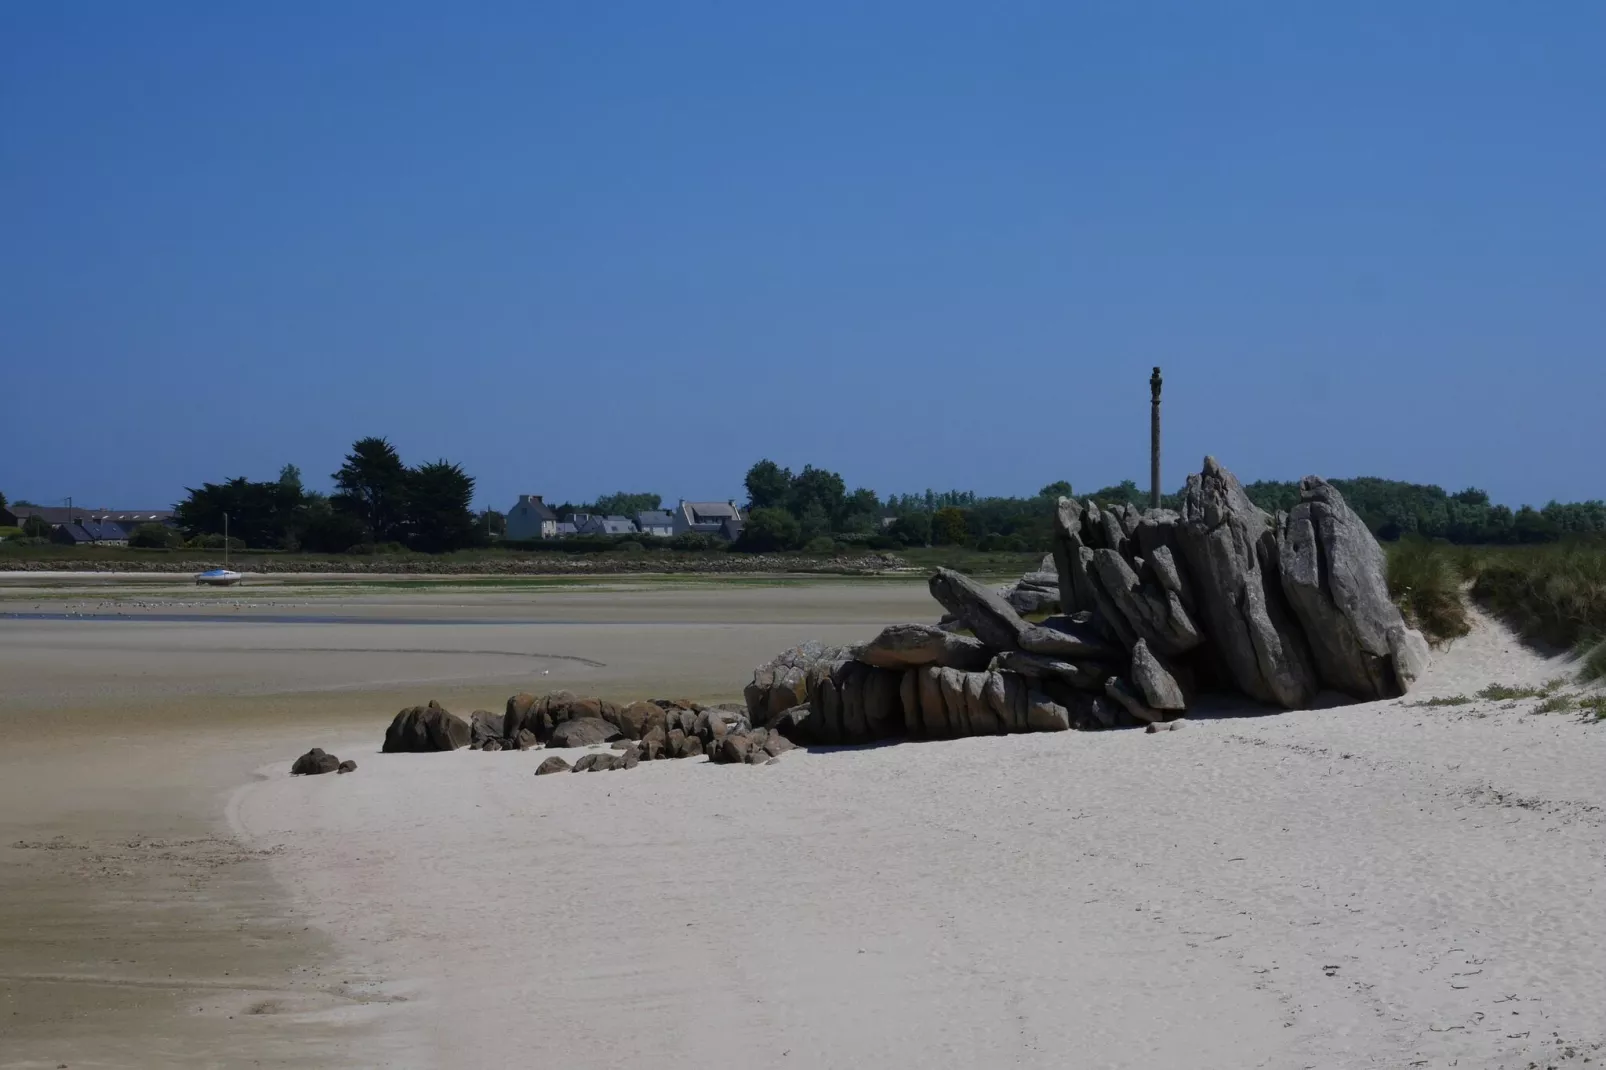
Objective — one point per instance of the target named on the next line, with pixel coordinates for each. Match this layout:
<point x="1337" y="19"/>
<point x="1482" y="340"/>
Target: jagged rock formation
<point x="1156" y="605"/>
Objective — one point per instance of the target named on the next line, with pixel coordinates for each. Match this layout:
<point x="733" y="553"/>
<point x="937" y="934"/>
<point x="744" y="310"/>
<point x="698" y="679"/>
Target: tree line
<point x="379" y="503"/>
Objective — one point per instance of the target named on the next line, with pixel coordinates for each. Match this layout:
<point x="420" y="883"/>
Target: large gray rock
<point x="426" y="728"/>
<point x="583" y="732"/>
<point x="1156" y="680"/>
<point x="1047" y="667"/>
<point x="1122" y="692"/>
<point x="909" y="646"/>
<point x="1063" y="637"/>
<point x="483" y="725"/>
<point x="551" y="765"/>
<point x="1147" y="612"/>
<point x="1231" y="550"/>
<point x="790" y="678"/>
<point x="1335" y="577"/>
<point x="855" y="703"/>
<point x="991" y="618"/>
<point x="1070" y="565"/>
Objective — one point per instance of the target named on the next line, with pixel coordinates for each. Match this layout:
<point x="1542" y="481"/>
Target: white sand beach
<point x="1384" y="885"/>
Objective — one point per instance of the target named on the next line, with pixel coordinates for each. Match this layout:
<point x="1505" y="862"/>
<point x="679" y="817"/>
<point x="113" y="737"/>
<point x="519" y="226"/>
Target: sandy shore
<point x="140" y="931"/>
<point x="1373" y="886"/>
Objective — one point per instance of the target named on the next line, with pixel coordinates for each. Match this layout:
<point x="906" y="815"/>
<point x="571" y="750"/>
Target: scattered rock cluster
<point x="315" y="761"/>
<point x="1155" y="606"/>
<point x="637" y="731"/>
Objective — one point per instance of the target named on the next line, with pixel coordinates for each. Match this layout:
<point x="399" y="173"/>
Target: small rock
<point x="628" y="760"/>
<point x="347" y="766"/>
<point x="597" y="762"/>
<point x="313" y="762"/>
<point x="491" y="745"/>
<point x="526" y="740"/>
<point x="553" y="764"/>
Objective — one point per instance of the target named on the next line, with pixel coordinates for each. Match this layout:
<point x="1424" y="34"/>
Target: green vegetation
<point x="1425" y="583"/>
<point x="1553" y="594"/>
<point x="155" y="537"/>
<point x="1447" y="700"/>
<point x="1393" y="509"/>
<point x="378" y="501"/>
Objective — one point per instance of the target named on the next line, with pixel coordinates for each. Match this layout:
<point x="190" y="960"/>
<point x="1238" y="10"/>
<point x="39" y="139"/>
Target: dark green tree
<point x="624" y="503"/>
<point x="912" y="529"/>
<point x="437" y="508"/>
<point x="950" y="527"/>
<point x="373" y="488"/>
<point x="821" y="488"/>
<point x="1056" y="490"/>
<point x="36" y="527"/>
<point x="259" y="513"/>
<point x="494" y="522"/>
<point x="769" y="486"/>
<point x="154" y="537"/>
<point x="768" y="530"/>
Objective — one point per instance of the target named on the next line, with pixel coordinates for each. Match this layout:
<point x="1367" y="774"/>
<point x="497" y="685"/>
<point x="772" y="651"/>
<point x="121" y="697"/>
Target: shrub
<point x="768" y="530"/>
<point x="36" y="527"/>
<point x="155" y="537"/>
<point x="821" y="545"/>
<point x="695" y="542"/>
<point x="213" y="542"/>
<point x="9" y="532"/>
<point x="1555" y="594"/>
<point x="1424" y="581"/>
<point x="630" y="546"/>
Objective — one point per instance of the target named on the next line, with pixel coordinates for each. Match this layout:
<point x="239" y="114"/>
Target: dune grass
<point x="1426" y="584"/>
<point x="1554" y="594"/>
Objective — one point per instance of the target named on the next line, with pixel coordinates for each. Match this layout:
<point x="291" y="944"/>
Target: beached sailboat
<point x="220" y="577"/>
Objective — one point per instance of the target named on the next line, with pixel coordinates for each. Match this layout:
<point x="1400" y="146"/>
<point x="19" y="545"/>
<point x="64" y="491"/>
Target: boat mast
<point x="225" y="540"/>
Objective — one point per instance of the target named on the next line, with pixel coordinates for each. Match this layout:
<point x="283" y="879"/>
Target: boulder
<point x="624" y="744"/>
<point x="1230" y="547"/>
<point x="1024" y="599"/>
<point x="636" y="719"/>
<point x="627" y="759"/>
<point x="526" y="740"/>
<point x="1043" y="714"/>
<point x="596" y="762"/>
<point x="906" y="646"/>
<point x="1156" y="680"/>
<point x="491" y="746"/>
<point x="425" y="728"/>
<point x="1043" y="666"/>
<point x="675" y="743"/>
<point x="1336" y="579"/>
<point x="690" y="747"/>
<point x="776" y="745"/>
<point x="1062" y="637"/>
<point x="314" y="762"/>
<point x="733" y="749"/>
<point x="789" y="679"/>
<point x="654" y="743"/>
<point x="855" y="703"/>
<point x="1146" y="612"/>
<point x="522" y="715"/>
<point x="991" y="618"/>
<point x="553" y="764"/>
<point x="484" y="725"/>
<point x="583" y="732"/>
<point x="1122" y="692"/>
<point x="347" y="766"/>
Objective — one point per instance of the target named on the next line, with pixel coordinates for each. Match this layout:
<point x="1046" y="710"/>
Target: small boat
<point x="217" y="577"/>
<point x="220" y="577"/>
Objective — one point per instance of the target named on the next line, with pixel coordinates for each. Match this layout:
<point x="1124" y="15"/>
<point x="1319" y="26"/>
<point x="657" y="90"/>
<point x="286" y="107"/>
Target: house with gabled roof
<point x="531" y="518"/>
<point x="721" y="519"/>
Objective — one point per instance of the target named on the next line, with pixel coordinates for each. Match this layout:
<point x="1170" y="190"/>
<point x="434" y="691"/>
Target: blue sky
<point x="587" y="247"/>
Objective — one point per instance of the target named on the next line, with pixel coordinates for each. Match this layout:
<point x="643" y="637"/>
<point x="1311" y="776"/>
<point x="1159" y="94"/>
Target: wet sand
<point x="139" y="930"/>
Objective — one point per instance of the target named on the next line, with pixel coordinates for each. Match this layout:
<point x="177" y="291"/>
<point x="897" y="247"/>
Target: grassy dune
<point x="1553" y="594"/>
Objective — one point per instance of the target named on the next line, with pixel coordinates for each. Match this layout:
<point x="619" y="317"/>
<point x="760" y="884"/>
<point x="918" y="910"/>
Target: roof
<point x="618" y="525"/>
<point x="56" y="514"/>
<point x="540" y="508"/>
<point x="566" y="527"/>
<point x="93" y="531"/>
<point x="654" y="518"/>
<point x="710" y="512"/>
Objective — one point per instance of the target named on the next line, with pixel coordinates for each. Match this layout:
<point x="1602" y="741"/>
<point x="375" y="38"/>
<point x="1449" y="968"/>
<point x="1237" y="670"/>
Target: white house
<point x="531" y="518"/>
<point x="659" y="523"/>
<point x="723" y="519"/>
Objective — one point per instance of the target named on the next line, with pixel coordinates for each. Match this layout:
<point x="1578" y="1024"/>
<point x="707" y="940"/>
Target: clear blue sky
<point x="582" y="247"/>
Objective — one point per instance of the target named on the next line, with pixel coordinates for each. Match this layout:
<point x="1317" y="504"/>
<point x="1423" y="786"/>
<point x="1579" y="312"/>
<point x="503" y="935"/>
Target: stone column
<point x="1154" y="440"/>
